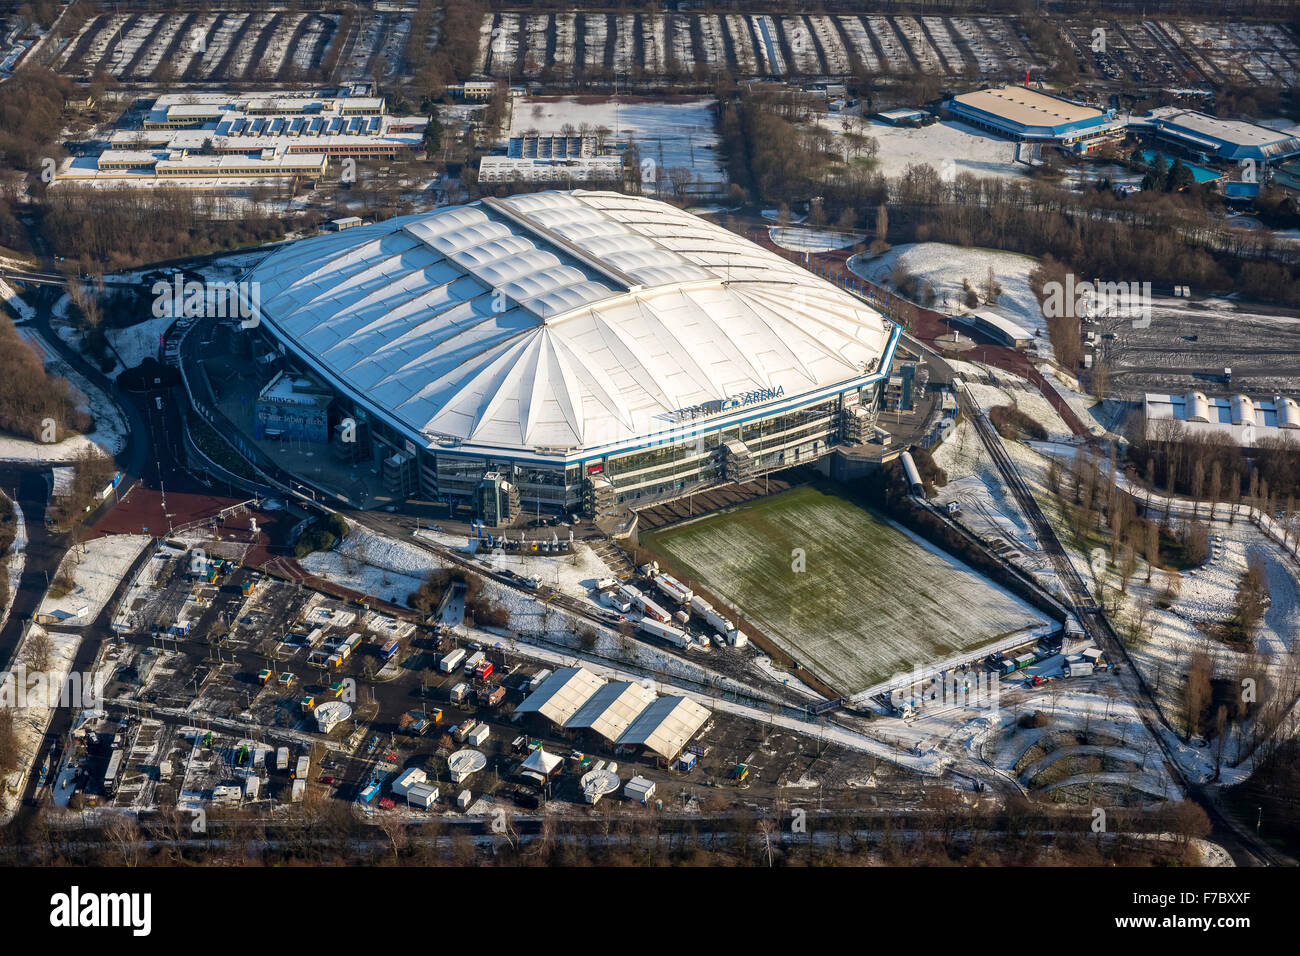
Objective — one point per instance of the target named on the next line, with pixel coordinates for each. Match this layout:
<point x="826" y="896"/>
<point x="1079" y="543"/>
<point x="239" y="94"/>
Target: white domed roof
<point x="558" y="320"/>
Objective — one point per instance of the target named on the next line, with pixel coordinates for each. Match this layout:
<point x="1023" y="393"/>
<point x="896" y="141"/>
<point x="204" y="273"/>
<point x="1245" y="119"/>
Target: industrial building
<point x="587" y="169"/>
<point x="998" y="327"/>
<point x="1027" y="115"/>
<point x="622" y="713"/>
<point x="1245" y="421"/>
<point x="597" y="351"/>
<point x="225" y="136"/>
<point x="1213" y="138"/>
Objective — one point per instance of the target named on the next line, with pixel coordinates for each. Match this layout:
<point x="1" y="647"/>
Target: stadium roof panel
<point x="559" y="320"/>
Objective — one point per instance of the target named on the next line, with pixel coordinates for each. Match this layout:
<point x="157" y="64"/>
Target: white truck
<point x="719" y="623"/>
<point x="303" y="768"/>
<point x="538" y="678"/>
<point x="478" y="657"/>
<point x="451" y="660"/>
<point x="670" y="634"/>
<point x="673" y="588"/>
<point x="643" y="604"/>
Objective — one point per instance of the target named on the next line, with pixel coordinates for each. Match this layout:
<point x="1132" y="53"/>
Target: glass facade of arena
<point x="646" y="475"/>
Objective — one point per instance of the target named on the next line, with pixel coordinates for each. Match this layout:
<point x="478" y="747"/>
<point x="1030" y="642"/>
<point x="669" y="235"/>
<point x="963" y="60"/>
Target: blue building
<point x="293" y="408"/>
<point x="1213" y="138"/>
<point x="1026" y="115"/>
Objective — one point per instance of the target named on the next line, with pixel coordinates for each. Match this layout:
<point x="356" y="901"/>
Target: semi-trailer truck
<point x="673" y="588"/>
<point x="670" y="634"/>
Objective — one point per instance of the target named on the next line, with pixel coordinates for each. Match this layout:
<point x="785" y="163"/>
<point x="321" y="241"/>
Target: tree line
<point x="31" y="400"/>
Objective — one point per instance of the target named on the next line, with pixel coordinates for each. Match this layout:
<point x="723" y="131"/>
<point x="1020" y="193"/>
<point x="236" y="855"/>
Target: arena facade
<point x="594" y="351"/>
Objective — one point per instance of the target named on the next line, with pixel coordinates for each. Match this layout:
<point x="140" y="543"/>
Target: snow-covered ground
<point x="97" y="572"/>
<point x="949" y="146"/>
<point x="375" y="565"/>
<point x="991" y="387"/>
<point x="10" y="297"/>
<point x="680" y="133"/>
<point x="1198" y="598"/>
<point x="110" y="430"/>
<point x="944" y="266"/>
<point x="138" y="342"/>
<point x="39" y="699"/>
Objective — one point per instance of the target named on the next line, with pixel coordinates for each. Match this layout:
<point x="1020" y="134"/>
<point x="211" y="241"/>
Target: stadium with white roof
<point x="595" y="350"/>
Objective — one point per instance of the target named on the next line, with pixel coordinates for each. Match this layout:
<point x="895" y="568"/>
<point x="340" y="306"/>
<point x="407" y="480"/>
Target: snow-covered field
<point x="949" y="146"/>
<point x="673" y="134"/>
<point x="945" y="266"/>
<point x="871" y="601"/>
<point x="140" y="341"/>
<point x="96" y="574"/>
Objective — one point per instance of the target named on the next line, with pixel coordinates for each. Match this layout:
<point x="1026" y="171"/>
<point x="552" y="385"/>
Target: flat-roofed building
<point x="1214" y="137"/>
<point x="1026" y="115"/>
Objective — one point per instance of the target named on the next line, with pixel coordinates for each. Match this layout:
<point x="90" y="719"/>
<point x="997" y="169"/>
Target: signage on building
<point x="742" y="400"/>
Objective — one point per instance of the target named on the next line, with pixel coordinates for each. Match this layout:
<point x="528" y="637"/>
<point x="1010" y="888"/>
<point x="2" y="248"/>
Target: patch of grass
<point x="845" y="593"/>
<point x="1015" y="425"/>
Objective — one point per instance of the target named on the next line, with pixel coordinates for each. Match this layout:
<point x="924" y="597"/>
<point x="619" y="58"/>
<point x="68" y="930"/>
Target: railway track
<point x="1099" y="629"/>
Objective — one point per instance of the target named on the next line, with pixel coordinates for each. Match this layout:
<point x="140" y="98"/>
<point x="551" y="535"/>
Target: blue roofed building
<point x="1215" y="138"/>
<point x="1027" y="115"/>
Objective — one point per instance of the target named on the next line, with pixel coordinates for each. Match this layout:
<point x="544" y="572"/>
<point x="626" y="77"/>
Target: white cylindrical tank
<point x="1288" y="413"/>
<point x="1243" y="411"/>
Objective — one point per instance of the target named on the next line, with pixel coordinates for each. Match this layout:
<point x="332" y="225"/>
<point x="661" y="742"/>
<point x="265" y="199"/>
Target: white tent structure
<point x="539" y="761"/>
<point x="611" y="710"/>
<point x="562" y="694"/>
<point x="665" y="726"/>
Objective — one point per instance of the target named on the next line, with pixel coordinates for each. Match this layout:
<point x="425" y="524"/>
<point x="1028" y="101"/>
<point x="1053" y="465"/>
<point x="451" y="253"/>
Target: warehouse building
<point x="622" y="713"/>
<point x="597" y="351"/>
<point x="1242" y="419"/>
<point x="998" y="327"/>
<point x="221" y="137"/>
<point x="1027" y="115"/>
